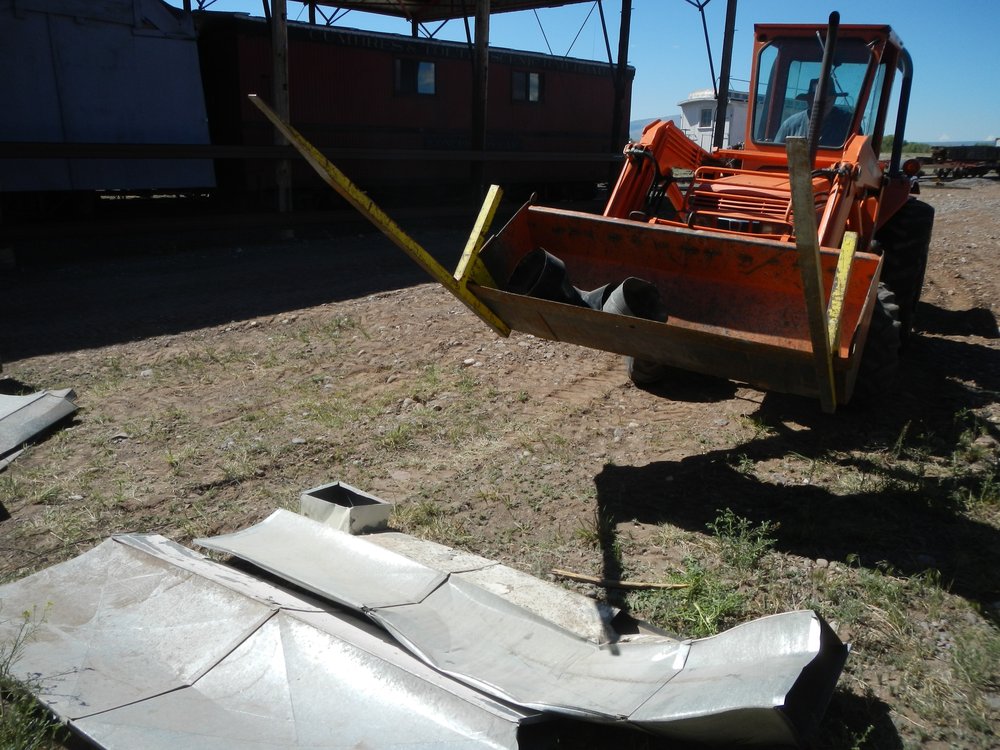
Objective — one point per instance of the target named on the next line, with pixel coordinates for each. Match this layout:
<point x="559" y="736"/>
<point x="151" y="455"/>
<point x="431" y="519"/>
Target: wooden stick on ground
<point x="615" y="584"/>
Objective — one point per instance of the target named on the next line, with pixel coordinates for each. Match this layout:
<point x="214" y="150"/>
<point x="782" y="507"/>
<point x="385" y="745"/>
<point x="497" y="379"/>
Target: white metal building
<point x="698" y="117"/>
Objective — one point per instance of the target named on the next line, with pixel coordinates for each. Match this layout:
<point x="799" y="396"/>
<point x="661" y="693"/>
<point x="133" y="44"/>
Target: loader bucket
<point x="726" y="304"/>
<point x="735" y="305"/>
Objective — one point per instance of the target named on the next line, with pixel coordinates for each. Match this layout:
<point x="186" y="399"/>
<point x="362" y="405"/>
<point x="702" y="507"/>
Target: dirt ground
<point x="219" y="374"/>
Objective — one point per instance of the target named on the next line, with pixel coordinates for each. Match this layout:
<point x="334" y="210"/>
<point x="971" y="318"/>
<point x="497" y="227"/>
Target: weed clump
<point x="24" y="724"/>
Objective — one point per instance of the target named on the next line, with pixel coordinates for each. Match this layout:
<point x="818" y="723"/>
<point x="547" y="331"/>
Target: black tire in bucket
<point x="640" y="299"/>
<point x="541" y="274"/>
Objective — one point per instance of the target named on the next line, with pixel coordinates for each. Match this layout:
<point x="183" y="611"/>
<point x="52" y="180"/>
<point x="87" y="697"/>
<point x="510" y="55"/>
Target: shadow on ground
<point x="902" y="513"/>
<point x="101" y="293"/>
<point x="976" y="321"/>
<point x="903" y="510"/>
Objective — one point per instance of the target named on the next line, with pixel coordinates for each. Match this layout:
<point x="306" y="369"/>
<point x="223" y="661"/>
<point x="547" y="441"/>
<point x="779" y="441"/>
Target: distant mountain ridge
<point x="635" y="126"/>
<point x="985" y="142"/>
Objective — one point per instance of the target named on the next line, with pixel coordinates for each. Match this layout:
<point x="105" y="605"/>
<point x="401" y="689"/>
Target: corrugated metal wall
<point x="107" y="71"/>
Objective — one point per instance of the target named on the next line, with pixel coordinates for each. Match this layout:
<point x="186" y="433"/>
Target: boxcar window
<point x="415" y="77"/>
<point x="526" y="86"/>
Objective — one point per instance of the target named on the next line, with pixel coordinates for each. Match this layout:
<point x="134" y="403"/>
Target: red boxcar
<point x="396" y="112"/>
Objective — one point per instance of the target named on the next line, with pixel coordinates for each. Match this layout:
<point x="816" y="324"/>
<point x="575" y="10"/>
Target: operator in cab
<point x="836" y="120"/>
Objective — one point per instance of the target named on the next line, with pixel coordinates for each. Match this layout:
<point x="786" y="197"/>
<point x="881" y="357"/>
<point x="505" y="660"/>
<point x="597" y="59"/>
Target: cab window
<point x="787" y="77"/>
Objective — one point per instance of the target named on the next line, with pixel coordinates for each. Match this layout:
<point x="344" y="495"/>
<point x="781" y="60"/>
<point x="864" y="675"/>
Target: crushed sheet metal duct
<point x="764" y="682"/>
<point x="143" y="643"/>
<point x="362" y="575"/>
<point x="23" y="417"/>
<point x="578" y="614"/>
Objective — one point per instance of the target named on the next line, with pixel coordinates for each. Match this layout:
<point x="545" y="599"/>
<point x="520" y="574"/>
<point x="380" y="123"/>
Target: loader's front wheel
<point x="879" y="365"/>
<point x="645" y="372"/>
<point x="905" y="241"/>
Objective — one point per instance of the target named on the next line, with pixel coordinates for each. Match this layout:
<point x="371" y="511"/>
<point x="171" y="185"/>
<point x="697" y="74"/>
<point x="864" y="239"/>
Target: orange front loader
<point x="768" y="271"/>
<point x="793" y="263"/>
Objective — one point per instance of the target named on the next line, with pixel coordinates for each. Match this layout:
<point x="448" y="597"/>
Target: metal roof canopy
<point x="419" y="11"/>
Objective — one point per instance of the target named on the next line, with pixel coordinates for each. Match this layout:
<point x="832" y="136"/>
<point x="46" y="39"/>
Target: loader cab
<point x="787" y="62"/>
<point x="747" y="190"/>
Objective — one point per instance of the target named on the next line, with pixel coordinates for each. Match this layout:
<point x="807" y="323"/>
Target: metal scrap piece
<point x="23" y="417"/>
<point x="143" y="643"/>
<point x="367" y="576"/>
<point x="764" y="682"/>
<point x="586" y="617"/>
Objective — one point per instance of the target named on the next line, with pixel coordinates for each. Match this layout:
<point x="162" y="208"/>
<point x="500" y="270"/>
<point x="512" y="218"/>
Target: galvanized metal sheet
<point x="291" y="685"/>
<point x="437" y="556"/>
<point x="374" y="640"/>
<point x="765" y="681"/>
<point x="23" y="417"/>
<point x="147" y="644"/>
<point x="762" y="682"/>
<point x="120" y="626"/>
<point x="527" y="659"/>
<point x="329" y="562"/>
<point x="390" y="569"/>
<point x="581" y="615"/>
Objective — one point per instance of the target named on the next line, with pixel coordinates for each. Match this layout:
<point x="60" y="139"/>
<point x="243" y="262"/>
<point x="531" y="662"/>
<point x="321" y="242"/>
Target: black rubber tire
<point x="879" y="365"/>
<point x="904" y="242"/>
<point x="644" y="372"/>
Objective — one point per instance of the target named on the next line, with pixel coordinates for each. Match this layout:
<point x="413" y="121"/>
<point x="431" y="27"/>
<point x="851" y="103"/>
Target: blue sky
<point x="955" y="48"/>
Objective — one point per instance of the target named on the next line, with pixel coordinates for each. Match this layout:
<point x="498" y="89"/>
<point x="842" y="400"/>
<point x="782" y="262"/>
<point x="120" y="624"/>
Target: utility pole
<point x="621" y="74"/>
<point x="480" y="82"/>
<point x="282" y="105"/>
<point x="722" y="100"/>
